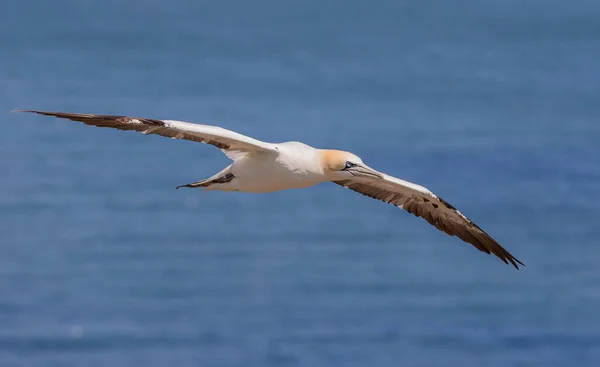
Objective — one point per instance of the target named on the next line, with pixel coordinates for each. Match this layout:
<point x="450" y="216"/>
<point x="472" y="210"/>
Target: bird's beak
<point x="362" y="170"/>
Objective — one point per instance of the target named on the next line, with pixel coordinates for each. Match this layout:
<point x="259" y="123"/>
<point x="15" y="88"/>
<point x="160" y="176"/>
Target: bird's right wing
<point x="421" y="202"/>
<point x="233" y="144"/>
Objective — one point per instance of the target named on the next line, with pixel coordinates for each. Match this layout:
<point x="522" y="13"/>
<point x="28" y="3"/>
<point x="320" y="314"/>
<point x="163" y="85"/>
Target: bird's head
<point x="340" y="165"/>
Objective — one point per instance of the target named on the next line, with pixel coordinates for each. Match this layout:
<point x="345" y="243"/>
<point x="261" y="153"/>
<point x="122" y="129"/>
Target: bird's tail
<point x="222" y="177"/>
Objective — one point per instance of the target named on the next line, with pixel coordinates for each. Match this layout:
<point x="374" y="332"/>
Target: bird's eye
<point x="349" y="165"/>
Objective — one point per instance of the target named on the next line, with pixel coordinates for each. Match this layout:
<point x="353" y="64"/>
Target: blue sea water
<point x="493" y="105"/>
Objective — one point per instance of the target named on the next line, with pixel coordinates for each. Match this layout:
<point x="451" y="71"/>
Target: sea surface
<point x="493" y="105"/>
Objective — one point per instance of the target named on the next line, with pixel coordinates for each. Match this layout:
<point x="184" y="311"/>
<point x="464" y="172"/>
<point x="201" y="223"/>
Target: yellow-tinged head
<point x="335" y="160"/>
<point x="339" y="165"/>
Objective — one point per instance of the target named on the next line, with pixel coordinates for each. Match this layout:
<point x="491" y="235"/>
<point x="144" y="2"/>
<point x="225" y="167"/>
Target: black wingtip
<point x="523" y="265"/>
<point x="32" y="111"/>
<point x="515" y="262"/>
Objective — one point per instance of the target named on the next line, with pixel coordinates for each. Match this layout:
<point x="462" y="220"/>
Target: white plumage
<point x="261" y="167"/>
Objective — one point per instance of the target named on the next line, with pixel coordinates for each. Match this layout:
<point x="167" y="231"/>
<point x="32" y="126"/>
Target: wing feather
<point x="421" y="202"/>
<point x="233" y="144"/>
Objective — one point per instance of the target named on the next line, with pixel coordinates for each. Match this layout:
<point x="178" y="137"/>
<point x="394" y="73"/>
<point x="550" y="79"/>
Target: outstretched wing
<point x="421" y="202"/>
<point x="233" y="144"/>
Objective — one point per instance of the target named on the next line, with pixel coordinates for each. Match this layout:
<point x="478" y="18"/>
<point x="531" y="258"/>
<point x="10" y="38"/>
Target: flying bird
<point x="260" y="167"/>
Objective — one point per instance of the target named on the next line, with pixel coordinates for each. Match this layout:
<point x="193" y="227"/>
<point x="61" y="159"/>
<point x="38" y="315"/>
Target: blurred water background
<point x="493" y="105"/>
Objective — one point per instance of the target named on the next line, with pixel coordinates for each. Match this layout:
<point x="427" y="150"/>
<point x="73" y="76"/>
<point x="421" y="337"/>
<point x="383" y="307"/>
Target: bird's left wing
<point x="231" y="143"/>
<point x="421" y="202"/>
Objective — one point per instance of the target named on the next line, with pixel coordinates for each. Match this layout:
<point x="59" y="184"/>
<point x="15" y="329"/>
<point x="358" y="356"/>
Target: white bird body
<point x="294" y="166"/>
<point x="260" y="167"/>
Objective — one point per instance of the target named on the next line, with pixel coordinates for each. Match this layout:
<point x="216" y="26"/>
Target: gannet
<point x="260" y="167"/>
